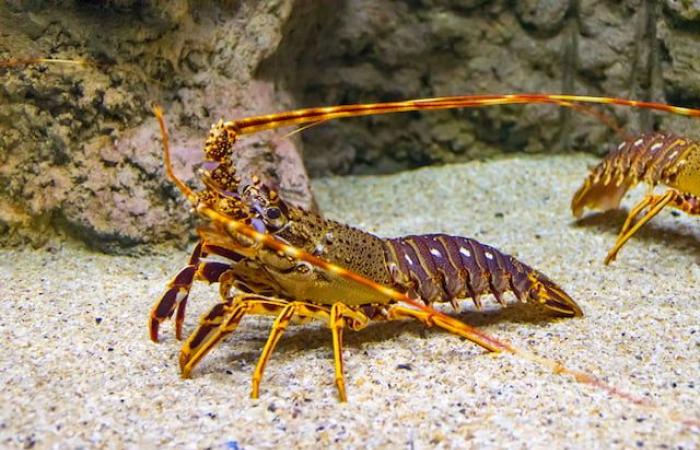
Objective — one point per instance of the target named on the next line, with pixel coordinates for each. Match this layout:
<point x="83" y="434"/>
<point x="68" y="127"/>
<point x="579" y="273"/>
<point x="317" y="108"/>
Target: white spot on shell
<point x="638" y="142"/>
<point x="392" y="268"/>
<point x="656" y="146"/>
<point x="673" y="155"/>
<point x="408" y="259"/>
<point x="619" y="147"/>
<point x="465" y="252"/>
<point x="488" y="255"/>
<point x="435" y="252"/>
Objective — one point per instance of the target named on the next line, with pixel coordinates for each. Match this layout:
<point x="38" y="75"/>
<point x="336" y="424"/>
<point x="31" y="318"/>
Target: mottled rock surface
<point x="78" y="145"/>
<point x="374" y="50"/>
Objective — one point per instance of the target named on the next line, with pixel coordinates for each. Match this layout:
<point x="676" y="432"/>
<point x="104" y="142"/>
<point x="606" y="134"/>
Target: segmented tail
<point x="441" y="268"/>
<point x="649" y="158"/>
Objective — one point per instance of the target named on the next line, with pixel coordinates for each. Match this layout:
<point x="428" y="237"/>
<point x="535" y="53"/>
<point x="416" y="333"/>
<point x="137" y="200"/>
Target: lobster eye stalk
<point x="187" y="192"/>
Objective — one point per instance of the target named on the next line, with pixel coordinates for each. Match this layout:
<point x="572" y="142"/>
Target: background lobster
<point x="652" y="158"/>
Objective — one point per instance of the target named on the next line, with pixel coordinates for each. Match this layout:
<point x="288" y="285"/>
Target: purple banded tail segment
<point x="440" y="267"/>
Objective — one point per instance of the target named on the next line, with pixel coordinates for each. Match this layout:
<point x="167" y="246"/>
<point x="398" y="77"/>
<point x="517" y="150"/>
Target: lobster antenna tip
<point x="76" y="62"/>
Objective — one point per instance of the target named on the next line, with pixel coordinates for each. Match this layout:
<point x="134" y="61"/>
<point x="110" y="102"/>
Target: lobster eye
<point x="273" y="213"/>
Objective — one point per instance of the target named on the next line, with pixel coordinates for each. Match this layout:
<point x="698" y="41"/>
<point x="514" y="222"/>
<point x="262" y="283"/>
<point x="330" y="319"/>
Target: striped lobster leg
<point x="178" y="289"/>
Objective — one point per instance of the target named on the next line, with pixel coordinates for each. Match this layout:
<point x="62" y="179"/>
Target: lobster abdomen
<point x="651" y="158"/>
<point x="441" y="268"/>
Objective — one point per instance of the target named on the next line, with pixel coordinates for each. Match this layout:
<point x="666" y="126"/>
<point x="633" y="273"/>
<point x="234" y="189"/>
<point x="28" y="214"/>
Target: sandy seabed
<point x="78" y="369"/>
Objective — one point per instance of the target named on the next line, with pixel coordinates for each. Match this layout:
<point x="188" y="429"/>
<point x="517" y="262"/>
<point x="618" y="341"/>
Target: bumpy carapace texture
<point x="651" y="158"/>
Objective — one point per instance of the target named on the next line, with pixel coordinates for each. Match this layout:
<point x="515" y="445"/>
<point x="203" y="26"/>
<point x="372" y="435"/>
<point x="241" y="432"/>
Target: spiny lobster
<point x="288" y="262"/>
<point x="652" y="158"/>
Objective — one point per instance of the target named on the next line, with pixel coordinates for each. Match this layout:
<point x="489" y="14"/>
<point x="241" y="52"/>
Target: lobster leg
<point x="655" y="203"/>
<point x="278" y="326"/>
<point x="339" y="314"/>
<point x="178" y="291"/>
<point x="634" y="212"/>
<point x="444" y="322"/>
<point x="220" y="321"/>
<point x="687" y="203"/>
<point x="176" y="294"/>
<point x="336" y="319"/>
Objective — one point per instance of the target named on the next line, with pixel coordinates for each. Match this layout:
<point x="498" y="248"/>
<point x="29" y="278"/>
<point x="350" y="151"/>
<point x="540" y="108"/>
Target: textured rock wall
<point x="79" y="149"/>
<point x="372" y="50"/>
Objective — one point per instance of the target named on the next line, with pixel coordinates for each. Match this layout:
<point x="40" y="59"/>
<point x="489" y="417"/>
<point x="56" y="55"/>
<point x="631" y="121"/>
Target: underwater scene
<point x="350" y="224"/>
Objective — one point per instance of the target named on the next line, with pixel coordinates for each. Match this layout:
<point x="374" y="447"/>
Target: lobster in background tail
<point x="652" y="158"/>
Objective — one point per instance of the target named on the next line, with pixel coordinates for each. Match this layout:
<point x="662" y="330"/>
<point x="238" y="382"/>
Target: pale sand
<point x="70" y="381"/>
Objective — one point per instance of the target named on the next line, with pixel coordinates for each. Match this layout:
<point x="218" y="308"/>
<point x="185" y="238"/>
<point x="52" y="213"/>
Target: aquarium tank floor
<point x="79" y="369"/>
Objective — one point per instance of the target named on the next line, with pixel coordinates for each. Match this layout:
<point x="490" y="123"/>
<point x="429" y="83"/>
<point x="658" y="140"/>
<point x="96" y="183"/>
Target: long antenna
<point x="310" y="115"/>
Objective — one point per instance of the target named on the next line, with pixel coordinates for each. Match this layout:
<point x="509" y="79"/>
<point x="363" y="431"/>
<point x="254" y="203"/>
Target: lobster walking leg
<point x="220" y="321"/>
<point x="176" y="294"/>
<point x="211" y="272"/>
<point x="278" y="326"/>
<point x="673" y="198"/>
<point x="337" y="319"/>
<point x="339" y="314"/>
<point x="655" y="203"/>
<point x="175" y="297"/>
